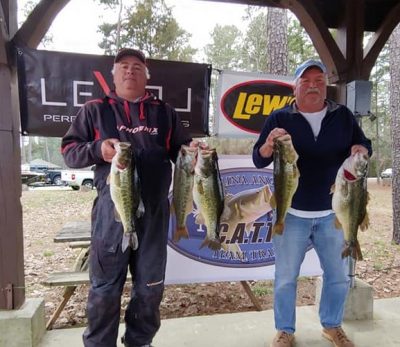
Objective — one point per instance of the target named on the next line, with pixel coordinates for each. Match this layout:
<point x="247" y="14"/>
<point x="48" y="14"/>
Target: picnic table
<point x="77" y="233"/>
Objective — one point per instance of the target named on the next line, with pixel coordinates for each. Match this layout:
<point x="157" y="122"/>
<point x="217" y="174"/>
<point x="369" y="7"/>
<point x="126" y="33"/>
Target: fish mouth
<point x="349" y="176"/>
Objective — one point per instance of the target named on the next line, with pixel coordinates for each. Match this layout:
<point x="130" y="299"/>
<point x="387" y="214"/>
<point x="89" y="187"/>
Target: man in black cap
<point x="129" y="114"/>
<point x="323" y="134"/>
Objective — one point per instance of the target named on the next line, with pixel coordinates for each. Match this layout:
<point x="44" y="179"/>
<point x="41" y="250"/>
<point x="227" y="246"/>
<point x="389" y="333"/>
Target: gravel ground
<point x="45" y="211"/>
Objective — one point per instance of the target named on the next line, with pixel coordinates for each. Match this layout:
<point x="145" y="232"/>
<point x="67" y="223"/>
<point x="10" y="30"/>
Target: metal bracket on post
<point x="9" y="296"/>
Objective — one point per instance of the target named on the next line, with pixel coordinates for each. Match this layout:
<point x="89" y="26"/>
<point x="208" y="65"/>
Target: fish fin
<point x="125" y="242"/>
<point x="108" y="180"/>
<point x="133" y="241"/>
<point x="238" y="210"/>
<point x="199" y="218"/>
<point x="365" y="223"/>
<point x="357" y="251"/>
<point x="129" y="240"/>
<point x="140" y="210"/>
<point x="200" y="188"/>
<point x="181" y="233"/>
<point x="346" y="251"/>
<point x="353" y="250"/>
<point x="278" y="228"/>
<point x="338" y="225"/>
<point x="332" y="189"/>
<point x="226" y="213"/>
<point x="173" y="212"/>
<point x="272" y="201"/>
<point x="214" y="244"/>
<point x="224" y="246"/>
<point x="117" y="216"/>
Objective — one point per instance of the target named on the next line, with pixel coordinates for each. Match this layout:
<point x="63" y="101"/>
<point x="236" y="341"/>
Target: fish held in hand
<point x="182" y="196"/>
<point x="208" y="195"/>
<point x="349" y="201"/>
<point x="286" y="179"/>
<point x="125" y="193"/>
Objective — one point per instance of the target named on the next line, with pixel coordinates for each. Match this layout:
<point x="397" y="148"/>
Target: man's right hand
<point x="267" y="148"/>
<point x="108" y="150"/>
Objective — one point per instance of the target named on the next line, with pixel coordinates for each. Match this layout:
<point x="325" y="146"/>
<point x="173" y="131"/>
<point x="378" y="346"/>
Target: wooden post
<point x="12" y="282"/>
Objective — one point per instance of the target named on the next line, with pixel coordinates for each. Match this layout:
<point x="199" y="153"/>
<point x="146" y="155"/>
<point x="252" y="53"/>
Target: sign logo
<point x="245" y="231"/>
<point x="246" y="105"/>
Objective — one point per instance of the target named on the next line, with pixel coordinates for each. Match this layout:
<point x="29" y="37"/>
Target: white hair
<point x="146" y="71"/>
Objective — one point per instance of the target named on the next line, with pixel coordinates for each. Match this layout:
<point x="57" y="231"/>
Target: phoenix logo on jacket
<point x="141" y="128"/>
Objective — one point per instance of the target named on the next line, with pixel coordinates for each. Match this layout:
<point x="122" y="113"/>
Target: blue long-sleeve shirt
<point x="319" y="158"/>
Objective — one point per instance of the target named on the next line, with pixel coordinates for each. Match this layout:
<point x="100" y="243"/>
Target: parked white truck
<point x="78" y="178"/>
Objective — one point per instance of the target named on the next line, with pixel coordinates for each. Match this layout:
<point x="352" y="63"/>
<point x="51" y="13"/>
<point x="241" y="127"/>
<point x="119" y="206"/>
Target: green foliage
<point x="42" y="148"/>
<point x="225" y="50"/>
<point x="150" y="27"/>
<point x="263" y="288"/>
<point x="254" y="49"/>
<point x="300" y="46"/>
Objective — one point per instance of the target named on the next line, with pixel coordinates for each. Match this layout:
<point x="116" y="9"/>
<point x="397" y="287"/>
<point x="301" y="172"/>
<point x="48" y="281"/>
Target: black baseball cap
<point x="130" y="52"/>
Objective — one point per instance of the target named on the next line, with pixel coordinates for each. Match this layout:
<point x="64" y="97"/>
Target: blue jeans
<point x="290" y="249"/>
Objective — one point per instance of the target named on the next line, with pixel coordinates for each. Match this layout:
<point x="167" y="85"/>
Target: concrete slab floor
<point x="256" y="329"/>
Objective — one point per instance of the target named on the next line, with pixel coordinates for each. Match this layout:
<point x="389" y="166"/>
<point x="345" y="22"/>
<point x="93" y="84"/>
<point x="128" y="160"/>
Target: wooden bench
<point x="77" y="233"/>
<point x="70" y="280"/>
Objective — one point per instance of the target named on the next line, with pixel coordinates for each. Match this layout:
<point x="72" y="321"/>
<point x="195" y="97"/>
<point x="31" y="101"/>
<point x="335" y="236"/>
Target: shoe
<point x="337" y="336"/>
<point x="282" y="339"/>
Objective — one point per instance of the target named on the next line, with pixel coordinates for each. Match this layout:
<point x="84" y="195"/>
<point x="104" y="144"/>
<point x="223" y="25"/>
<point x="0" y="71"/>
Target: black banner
<point x="53" y="85"/>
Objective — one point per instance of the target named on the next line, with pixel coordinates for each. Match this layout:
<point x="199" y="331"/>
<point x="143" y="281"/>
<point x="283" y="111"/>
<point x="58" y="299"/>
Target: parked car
<point x="387" y="173"/>
<point x="54" y="177"/>
<point x="77" y="178"/>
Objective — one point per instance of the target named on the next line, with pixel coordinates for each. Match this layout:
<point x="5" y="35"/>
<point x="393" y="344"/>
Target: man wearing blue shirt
<point x="323" y="134"/>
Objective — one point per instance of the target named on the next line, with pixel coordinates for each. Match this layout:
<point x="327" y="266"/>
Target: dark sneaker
<point x="337" y="336"/>
<point x="283" y="339"/>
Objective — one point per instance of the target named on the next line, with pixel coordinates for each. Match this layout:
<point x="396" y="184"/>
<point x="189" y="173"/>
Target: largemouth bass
<point x="286" y="179"/>
<point x="125" y="193"/>
<point x="182" y="194"/>
<point x="349" y="201"/>
<point x="244" y="207"/>
<point x="208" y="195"/>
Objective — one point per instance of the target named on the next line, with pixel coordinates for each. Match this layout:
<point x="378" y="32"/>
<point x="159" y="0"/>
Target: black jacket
<point x="150" y="125"/>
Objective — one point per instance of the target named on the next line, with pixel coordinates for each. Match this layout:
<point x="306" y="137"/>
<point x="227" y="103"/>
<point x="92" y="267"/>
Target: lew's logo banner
<point x="247" y="99"/>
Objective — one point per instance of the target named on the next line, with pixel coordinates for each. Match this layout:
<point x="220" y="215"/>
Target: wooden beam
<point x="11" y="236"/>
<point x="378" y="40"/>
<point x="38" y="23"/>
<point x="350" y="35"/>
<point x="310" y="18"/>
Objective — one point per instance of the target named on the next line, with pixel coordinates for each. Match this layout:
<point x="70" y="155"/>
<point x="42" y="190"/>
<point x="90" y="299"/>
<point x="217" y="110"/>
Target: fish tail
<point x="214" y="244"/>
<point x="125" y="242"/>
<point x="133" y="241"/>
<point x="346" y="252"/>
<point x="129" y="240"/>
<point x="357" y="251"/>
<point x="278" y="228"/>
<point x="180" y="233"/>
<point x="353" y="250"/>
